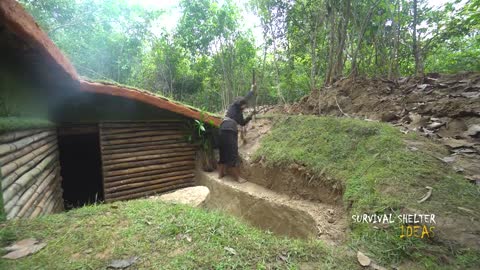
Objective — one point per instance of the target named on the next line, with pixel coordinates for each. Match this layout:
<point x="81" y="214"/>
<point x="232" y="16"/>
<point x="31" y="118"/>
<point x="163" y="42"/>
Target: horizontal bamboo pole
<point x="114" y="131"/>
<point x="12" y="177"/>
<point x="112" y="179"/>
<point x="149" y="193"/>
<point x="143" y="163"/>
<point x="29" y="148"/>
<point x="17" y="145"/>
<point x="140" y="124"/>
<point x="10" y="167"/>
<point x="132" y="148"/>
<point x="133" y="158"/>
<point x="123" y="155"/>
<point x="149" y="190"/>
<point x="108" y="185"/>
<point x="148" y="168"/>
<point x="11" y="193"/>
<point x="29" y="197"/>
<point x="121" y="185"/>
<point x="140" y="187"/>
<point x="11" y="136"/>
<point x="140" y="145"/>
<point x="140" y="134"/>
<point x="143" y="139"/>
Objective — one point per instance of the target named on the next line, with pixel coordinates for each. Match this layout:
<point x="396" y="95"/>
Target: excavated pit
<point x="280" y="200"/>
<point x="272" y="211"/>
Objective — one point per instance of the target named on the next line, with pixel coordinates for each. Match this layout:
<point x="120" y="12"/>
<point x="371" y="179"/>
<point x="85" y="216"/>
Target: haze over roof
<point x="18" y="23"/>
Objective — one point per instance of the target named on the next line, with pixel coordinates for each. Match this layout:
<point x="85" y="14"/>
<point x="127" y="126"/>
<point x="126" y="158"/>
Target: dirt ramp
<point x="294" y="181"/>
<point x="257" y="206"/>
<point x="273" y="211"/>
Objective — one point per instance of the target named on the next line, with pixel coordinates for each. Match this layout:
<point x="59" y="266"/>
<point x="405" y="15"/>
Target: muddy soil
<point x="445" y="108"/>
<point x="273" y="211"/>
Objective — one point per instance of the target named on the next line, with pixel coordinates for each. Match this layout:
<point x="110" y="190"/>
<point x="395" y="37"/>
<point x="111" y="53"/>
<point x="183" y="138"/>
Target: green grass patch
<point x="18" y="123"/>
<point x="90" y="237"/>
<point x="379" y="174"/>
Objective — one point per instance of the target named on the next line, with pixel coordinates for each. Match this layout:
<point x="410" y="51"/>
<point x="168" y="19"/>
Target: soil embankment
<point x="445" y="108"/>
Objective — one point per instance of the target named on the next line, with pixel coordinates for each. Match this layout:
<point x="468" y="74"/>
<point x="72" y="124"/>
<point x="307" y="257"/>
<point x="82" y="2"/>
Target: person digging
<point x="228" y="136"/>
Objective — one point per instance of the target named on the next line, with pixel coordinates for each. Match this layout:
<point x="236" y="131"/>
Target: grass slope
<point x="90" y="237"/>
<point x="18" y="123"/>
<point x="378" y="174"/>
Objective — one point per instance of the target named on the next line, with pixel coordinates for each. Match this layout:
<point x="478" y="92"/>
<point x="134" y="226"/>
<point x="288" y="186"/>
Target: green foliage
<point x="163" y="236"/>
<point x="104" y="39"/>
<point x="208" y="58"/>
<point x="457" y="55"/>
<point x="18" y="123"/>
<point x="377" y="173"/>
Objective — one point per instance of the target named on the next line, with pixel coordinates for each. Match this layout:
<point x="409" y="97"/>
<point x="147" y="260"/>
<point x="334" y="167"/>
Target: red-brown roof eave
<point x="144" y="97"/>
<point x="18" y="21"/>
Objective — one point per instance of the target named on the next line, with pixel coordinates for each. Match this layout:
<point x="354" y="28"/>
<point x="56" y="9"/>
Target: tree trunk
<point x="415" y="41"/>
<point x="339" y="63"/>
<point x="331" y="48"/>
<point x="363" y="28"/>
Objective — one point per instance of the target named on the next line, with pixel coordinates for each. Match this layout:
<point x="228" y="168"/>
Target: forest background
<point x="206" y="56"/>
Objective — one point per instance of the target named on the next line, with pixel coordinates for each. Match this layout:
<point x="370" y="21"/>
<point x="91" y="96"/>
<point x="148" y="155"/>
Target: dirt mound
<point x="443" y="107"/>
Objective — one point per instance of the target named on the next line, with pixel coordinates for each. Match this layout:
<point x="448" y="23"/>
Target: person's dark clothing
<point x="228" y="134"/>
<point x="228" y="144"/>
<point x="235" y="113"/>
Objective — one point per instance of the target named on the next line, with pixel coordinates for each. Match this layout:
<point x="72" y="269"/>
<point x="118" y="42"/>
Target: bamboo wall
<point x="144" y="158"/>
<point x="30" y="173"/>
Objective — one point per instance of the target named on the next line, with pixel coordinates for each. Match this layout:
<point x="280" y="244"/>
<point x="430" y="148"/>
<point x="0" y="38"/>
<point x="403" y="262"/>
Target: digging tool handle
<point x="254" y="86"/>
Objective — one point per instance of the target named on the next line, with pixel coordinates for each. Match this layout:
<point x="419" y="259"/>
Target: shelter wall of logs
<point x="144" y="158"/>
<point x="30" y="173"/>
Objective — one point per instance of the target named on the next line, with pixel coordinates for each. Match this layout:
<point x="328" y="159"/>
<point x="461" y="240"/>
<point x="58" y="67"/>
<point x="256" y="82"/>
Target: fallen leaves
<point x="23" y="248"/>
<point x="429" y="193"/>
<point x="230" y="250"/>
<point x="122" y="264"/>
<point x="182" y="236"/>
<point x="363" y="259"/>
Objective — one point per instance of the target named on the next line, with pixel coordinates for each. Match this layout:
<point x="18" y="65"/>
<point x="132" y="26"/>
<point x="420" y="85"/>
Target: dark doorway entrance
<point x="81" y="165"/>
